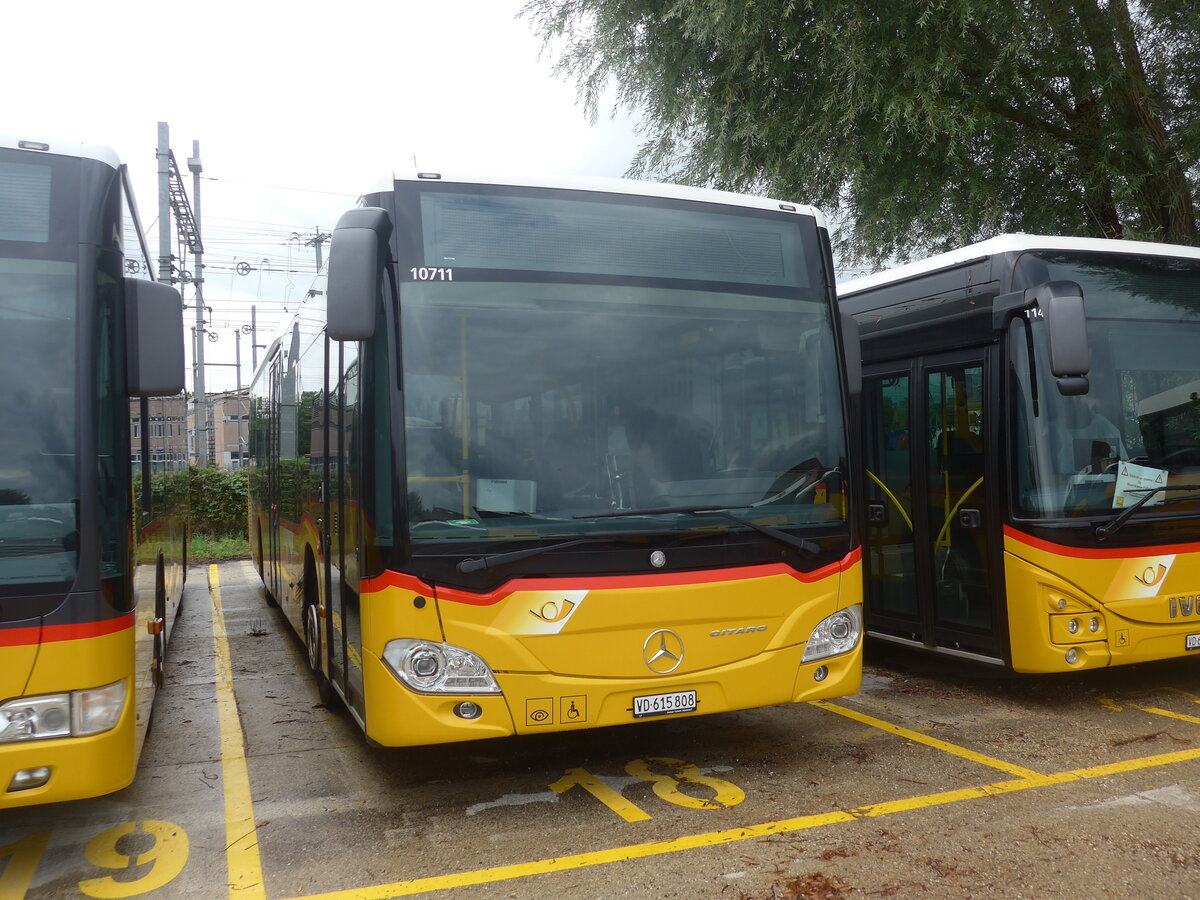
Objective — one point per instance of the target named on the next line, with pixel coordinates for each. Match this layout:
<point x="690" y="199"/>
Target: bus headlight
<point x="35" y="718"/>
<point x="430" y="668"/>
<point x="839" y="633"/>
<point x="98" y="710"/>
<point x="72" y="714"/>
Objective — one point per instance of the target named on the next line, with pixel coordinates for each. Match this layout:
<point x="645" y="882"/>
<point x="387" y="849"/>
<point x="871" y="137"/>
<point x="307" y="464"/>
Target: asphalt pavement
<point x="934" y="780"/>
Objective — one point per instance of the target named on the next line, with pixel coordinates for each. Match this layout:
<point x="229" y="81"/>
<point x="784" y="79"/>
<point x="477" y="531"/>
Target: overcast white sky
<point x="297" y="107"/>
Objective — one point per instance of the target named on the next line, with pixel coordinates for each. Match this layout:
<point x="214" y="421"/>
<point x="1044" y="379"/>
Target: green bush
<point x="218" y="501"/>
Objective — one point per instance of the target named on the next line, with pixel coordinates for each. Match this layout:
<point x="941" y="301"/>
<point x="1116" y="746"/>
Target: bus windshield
<point x="1137" y="429"/>
<point x="567" y="360"/>
<point x="38" y="471"/>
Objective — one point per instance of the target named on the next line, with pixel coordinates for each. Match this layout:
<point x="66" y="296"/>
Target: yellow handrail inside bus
<point x="950" y="517"/>
<point x="891" y="497"/>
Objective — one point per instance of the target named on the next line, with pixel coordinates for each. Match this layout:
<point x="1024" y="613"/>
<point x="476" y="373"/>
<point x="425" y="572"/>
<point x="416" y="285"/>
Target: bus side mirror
<point x="852" y="351"/>
<point x="356" y="260"/>
<point x="1061" y="302"/>
<point x="153" y="339"/>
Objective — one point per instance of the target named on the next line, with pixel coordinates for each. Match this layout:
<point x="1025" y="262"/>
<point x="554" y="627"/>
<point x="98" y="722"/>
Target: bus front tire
<point x="312" y="643"/>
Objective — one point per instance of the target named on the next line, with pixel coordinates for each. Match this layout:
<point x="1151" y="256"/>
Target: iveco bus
<point x="88" y="581"/>
<point x="1032" y="425"/>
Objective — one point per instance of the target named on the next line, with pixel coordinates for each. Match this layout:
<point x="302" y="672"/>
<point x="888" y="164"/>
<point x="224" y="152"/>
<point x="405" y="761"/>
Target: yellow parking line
<point x="241" y="834"/>
<point x="918" y="737"/>
<point x="1195" y="720"/>
<point x="733" y="835"/>
<point x="582" y="860"/>
<point x="1134" y="765"/>
<point x="1171" y="690"/>
<point x="1108" y="703"/>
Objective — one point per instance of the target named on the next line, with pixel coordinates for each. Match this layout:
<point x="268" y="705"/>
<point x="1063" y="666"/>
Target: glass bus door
<point x="272" y="574"/>
<point x="345" y="637"/>
<point x="891" y="569"/>
<point x="928" y="525"/>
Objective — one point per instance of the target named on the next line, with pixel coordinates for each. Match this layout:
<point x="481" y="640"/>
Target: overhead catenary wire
<point x="281" y="187"/>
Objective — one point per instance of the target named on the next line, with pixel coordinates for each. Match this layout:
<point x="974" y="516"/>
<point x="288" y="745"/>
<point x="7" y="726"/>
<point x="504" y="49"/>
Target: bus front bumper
<point x="541" y="702"/>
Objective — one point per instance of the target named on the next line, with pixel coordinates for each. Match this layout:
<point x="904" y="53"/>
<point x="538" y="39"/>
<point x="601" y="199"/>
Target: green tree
<point x="918" y="125"/>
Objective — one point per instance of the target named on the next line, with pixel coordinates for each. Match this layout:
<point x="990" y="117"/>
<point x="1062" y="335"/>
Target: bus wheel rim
<point x="314" y="639"/>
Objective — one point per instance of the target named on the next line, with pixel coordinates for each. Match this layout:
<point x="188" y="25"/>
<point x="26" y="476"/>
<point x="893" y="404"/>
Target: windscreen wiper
<point x="774" y="534"/>
<point x="778" y="495"/>
<point x="479" y="563"/>
<point x="1113" y="526"/>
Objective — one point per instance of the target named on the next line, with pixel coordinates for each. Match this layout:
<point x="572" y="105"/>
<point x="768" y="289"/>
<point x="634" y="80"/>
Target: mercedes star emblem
<point x="663" y="651"/>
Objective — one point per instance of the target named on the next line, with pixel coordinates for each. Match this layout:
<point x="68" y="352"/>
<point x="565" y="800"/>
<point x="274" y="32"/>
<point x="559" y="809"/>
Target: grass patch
<point x="214" y="548"/>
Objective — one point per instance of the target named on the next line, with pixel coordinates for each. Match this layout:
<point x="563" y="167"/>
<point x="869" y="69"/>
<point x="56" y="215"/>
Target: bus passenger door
<point x="891" y="570"/>
<point x="959" y="524"/>
<point x="345" y="629"/>
<point x="929" y="530"/>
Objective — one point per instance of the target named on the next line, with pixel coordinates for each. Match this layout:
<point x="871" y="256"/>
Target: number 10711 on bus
<point x="431" y="273"/>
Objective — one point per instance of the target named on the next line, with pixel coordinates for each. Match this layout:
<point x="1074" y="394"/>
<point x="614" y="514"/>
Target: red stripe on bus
<point x="20" y="637"/>
<point x="397" y="580"/>
<point x="50" y="634"/>
<point x="1098" y="552"/>
<point x="613" y="582"/>
<point x="849" y="561"/>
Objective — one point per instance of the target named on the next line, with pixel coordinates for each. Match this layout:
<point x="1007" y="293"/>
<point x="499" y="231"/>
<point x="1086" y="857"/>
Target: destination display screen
<point x="609" y="237"/>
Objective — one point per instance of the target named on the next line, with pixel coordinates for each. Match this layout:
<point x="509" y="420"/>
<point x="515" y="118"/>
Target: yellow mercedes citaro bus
<point x="562" y="455"/>
<point x="1032" y="427"/>
<point x="91" y="573"/>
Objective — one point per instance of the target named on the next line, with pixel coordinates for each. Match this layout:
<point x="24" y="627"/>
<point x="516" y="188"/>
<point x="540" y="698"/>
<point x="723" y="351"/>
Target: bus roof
<point x="1010" y="243"/>
<point x="59" y="146"/>
<point x="610" y="186"/>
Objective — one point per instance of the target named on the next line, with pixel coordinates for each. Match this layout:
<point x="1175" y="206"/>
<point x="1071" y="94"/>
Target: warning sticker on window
<point x="1133" y="482"/>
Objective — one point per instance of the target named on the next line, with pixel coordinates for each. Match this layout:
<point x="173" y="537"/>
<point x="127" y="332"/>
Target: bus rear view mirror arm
<point x="356" y="261"/>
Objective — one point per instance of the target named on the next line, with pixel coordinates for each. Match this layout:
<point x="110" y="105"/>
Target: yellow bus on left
<point x="92" y="548"/>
